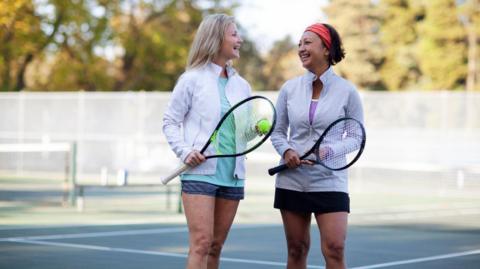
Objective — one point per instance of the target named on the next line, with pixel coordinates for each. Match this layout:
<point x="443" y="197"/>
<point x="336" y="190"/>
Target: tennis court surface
<point x="391" y="226"/>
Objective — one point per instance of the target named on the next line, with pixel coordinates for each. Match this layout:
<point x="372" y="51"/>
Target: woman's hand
<point x="194" y="158"/>
<point x="292" y="159"/>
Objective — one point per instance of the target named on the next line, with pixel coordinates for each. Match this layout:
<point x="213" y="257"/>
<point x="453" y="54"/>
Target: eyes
<point x="234" y="34"/>
<point x="305" y="42"/>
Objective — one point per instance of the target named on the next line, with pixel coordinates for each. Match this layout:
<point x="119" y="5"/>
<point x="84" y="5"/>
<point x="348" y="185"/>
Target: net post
<point x="73" y="173"/>
<point x="66" y="179"/>
<point x="179" y="205"/>
<point x="168" y="196"/>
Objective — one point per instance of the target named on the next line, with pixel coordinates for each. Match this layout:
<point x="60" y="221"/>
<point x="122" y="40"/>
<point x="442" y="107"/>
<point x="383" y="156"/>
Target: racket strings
<point x="341" y="144"/>
<point x="239" y="130"/>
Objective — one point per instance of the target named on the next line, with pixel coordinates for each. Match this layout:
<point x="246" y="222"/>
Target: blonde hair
<point x="208" y="39"/>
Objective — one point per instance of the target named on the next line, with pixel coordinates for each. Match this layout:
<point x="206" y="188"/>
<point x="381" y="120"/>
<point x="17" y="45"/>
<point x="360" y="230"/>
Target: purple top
<point x="313" y="107"/>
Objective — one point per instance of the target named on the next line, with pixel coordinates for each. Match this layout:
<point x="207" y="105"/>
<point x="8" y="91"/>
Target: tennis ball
<point x="263" y="126"/>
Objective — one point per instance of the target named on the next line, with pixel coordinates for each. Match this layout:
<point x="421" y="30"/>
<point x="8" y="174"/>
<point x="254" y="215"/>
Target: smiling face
<point x="231" y="43"/>
<point x="312" y="52"/>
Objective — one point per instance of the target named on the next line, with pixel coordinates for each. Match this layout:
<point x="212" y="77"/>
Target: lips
<point x="304" y="56"/>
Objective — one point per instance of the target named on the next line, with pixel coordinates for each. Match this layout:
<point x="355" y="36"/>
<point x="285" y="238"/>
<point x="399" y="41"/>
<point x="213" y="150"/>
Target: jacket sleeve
<point x="354" y="106"/>
<point x="354" y="110"/>
<point x="174" y="116"/>
<point x="279" y="136"/>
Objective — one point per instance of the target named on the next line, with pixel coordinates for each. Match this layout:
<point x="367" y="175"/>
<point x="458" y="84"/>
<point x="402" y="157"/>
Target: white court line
<point x="35" y="240"/>
<point x="418" y="260"/>
<point x="146" y="252"/>
<point x="121" y="233"/>
<point x="99" y="234"/>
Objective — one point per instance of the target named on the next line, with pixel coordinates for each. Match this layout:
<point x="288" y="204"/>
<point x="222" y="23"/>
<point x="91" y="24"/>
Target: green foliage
<point x="20" y="38"/>
<point x="442" y="50"/>
<point x="469" y="12"/>
<point x="250" y="64"/>
<point x="156" y="44"/>
<point x="281" y="64"/>
<point x="121" y="45"/>
<point x="399" y="38"/>
<point x="357" y="23"/>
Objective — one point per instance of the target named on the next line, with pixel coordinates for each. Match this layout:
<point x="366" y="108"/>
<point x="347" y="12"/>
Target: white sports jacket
<point x="194" y="111"/>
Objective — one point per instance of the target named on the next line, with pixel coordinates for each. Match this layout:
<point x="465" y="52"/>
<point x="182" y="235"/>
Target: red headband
<point x="322" y="32"/>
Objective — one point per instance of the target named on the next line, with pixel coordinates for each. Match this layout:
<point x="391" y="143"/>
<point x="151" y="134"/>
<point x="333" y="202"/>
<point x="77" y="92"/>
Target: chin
<point x="306" y="65"/>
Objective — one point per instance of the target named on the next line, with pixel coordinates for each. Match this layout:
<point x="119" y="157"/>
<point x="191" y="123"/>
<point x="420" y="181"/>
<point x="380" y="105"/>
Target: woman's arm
<point x="177" y="109"/>
<point x="279" y="136"/>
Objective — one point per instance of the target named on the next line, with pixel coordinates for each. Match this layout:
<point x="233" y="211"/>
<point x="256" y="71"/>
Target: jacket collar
<point x="324" y="78"/>
<point x="217" y="70"/>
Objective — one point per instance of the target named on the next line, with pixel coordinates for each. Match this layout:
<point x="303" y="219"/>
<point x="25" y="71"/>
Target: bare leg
<point x="199" y="211"/>
<point x="297" y="233"/>
<point x="225" y="211"/>
<point x="333" y="232"/>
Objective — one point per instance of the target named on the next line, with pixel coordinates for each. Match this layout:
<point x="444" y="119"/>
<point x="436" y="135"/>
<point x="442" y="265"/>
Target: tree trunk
<point x="472" y="58"/>
<point x="6" y="71"/>
<point x="20" y="84"/>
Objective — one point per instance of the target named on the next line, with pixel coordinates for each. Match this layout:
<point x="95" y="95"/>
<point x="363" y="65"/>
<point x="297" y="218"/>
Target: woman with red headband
<point x="305" y="107"/>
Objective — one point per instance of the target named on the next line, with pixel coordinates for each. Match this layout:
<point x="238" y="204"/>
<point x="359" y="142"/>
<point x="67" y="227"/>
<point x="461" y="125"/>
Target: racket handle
<point x="274" y="170"/>
<point x="174" y="174"/>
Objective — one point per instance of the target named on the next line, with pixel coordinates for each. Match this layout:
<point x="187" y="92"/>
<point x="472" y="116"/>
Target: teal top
<point x="225" y="166"/>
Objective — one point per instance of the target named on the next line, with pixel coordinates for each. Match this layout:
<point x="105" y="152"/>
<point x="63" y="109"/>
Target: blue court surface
<point x="134" y="228"/>
<point x="248" y="246"/>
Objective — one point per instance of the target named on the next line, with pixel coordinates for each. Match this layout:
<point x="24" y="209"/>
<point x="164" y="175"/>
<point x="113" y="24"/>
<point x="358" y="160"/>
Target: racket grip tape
<point x="274" y="170"/>
<point x="174" y="174"/>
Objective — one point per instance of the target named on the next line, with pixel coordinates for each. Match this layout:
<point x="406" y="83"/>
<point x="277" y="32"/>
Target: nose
<point x="301" y="48"/>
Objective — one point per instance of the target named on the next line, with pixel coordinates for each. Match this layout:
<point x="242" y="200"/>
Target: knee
<point x="298" y="250"/>
<point x="201" y="245"/>
<point x="334" y="251"/>
<point x="215" y="249"/>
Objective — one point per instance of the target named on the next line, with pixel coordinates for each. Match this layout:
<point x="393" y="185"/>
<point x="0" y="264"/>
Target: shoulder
<point x="341" y="81"/>
<point x="344" y="84"/>
<point x="241" y="81"/>
<point x="190" y="77"/>
<point x="293" y="83"/>
<point x="193" y="73"/>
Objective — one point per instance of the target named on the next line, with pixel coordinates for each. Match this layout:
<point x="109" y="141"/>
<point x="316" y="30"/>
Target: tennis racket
<point x="252" y="120"/>
<point x="339" y="146"/>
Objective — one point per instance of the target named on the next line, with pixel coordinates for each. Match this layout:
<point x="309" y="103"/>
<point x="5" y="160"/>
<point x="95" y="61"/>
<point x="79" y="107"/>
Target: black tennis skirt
<point x="312" y="202"/>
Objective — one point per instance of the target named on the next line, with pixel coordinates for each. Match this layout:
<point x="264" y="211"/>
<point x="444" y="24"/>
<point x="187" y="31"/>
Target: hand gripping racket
<point x="339" y="146"/>
<point x="252" y="120"/>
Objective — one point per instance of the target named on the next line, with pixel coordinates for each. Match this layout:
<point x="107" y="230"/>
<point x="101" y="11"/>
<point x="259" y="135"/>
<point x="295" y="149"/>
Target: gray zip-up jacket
<point x="339" y="98"/>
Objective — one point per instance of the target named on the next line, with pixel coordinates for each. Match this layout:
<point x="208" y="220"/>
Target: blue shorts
<point x="204" y="188"/>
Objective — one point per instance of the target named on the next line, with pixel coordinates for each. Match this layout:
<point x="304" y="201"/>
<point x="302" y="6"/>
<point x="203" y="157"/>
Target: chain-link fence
<point x="414" y="131"/>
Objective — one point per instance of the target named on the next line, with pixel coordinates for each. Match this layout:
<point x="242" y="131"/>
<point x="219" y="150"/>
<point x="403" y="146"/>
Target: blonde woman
<point x="211" y="189"/>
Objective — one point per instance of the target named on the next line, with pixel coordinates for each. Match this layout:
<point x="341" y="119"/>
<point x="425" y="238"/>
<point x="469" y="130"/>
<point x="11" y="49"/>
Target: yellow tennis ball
<point x="263" y="126"/>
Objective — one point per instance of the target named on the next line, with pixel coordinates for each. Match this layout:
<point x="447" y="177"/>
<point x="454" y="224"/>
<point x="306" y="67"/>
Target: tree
<point x="75" y="64"/>
<point x="281" y="64"/>
<point x="36" y="31"/>
<point x="399" y="37"/>
<point x="250" y="64"/>
<point x="442" y="50"/>
<point x="358" y="24"/>
<point x="156" y="38"/>
<point x="470" y="17"/>
<point x="21" y="40"/>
